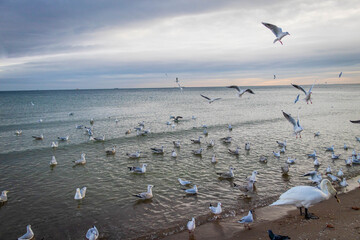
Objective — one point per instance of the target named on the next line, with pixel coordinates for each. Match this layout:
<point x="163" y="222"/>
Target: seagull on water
<point x="138" y="169"/>
<point x="227" y="175"/>
<point x="3" y="196"/>
<point x="340" y="173"/>
<point x="133" y="155"/>
<point x="273" y="236"/>
<point x="345" y="147"/>
<point x="226" y="139"/>
<point x="285" y="169"/>
<point x="66" y="138"/>
<point x="314" y="176"/>
<point x="177" y="143"/>
<point x="240" y="91"/>
<point x="290" y="161"/>
<point x="281" y="144"/>
<point x="312" y="155"/>
<point x="158" y="150"/>
<point x="276" y="154"/>
<point x="316" y="162"/>
<point x="54" y="144"/>
<point x="328" y="170"/>
<point x="249" y="187"/>
<point x="80" y="193"/>
<point x="18" y="132"/>
<point x="145" y="195"/>
<point x="28" y="235"/>
<point x="92" y="233"/>
<point x="253" y="176"/>
<point x="348" y="162"/>
<point x="173" y="154"/>
<point x="216" y="210"/>
<point x="247" y="146"/>
<point x="39" y="137"/>
<point x="192" y="191"/>
<point x="191" y="225"/>
<point x="230" y="127"/>
<point x="317" y="134"/>
<point x="297" y="128"/>
<point x="307" y="94"/>
<point x="81" y="161"/>
<point x="197" y="152"/>
<point x="100" y="139"/>
<point x="196" y="140"/>
<point x="333" y="156"/>
<point x="263" y="159"/>
<point x="283" y="150"/>
<point x="183" y="182"/>
<point x="343" y="183"/>
<point x="354" y="153"/>
<point x="297" y="98"/>
<point x="276" y="31"/>
<point x="111" y="151"/>
<point x="53" y="161"/>
<point x="210" y="100"/>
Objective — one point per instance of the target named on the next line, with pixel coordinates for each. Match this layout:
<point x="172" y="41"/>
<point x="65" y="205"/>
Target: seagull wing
<point x="216" y="99"/>
<point x="300" y="88"/>
<point x="236" y="87"/>
<point x="311" y="87"/>
<point x="249" y="91"/>
<point x="355" y="121"/>
<point x="276" y="30"/>
<point x="289" y="118"/>
<point x="205" y="97"/>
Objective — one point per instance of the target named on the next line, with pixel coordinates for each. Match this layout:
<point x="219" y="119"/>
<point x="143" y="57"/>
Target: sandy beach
<point x="336" y="221"/>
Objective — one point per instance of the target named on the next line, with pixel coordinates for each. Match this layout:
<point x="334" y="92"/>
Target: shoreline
<point x="336" y="221"/>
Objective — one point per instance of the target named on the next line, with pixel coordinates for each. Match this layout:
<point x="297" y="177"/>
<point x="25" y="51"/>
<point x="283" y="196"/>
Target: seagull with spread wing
<point x="307" y="94"/>
<point x="277" y="31"/>
<point x="240" y="91"/>
<point x="297" y="128"/>
<point x="210" y="99"/>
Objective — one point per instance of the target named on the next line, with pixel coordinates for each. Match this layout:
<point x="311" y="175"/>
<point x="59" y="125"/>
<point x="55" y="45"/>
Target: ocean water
<point x="44" y="196"/>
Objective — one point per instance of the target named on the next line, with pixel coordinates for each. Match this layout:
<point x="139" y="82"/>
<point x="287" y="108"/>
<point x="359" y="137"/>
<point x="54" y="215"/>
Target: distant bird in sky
<point x="240" y="91"/>
<point x="355" y="121"/>
<point x="216" y="210"/>
<point x="210" y="99"/>
<point x="274" y="76"/>
<point x="277" y="31"/>
<point x="178" y="83"/>
<point x="307" y="94"/>
<point x="297" y="128"/>
<point x="340" y="75"/>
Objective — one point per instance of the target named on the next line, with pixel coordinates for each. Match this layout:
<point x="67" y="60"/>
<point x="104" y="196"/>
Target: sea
<point x="43" y="196"/>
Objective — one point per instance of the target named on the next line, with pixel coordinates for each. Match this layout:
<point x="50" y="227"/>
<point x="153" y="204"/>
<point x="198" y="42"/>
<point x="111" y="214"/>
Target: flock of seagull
<point x="300" y="196"/>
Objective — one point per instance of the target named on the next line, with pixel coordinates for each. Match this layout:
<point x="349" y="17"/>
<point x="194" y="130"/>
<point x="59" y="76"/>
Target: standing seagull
<point x="240" y="92"/>
<point x="92" y="233"/>
<point x="210" y="99"/>
<point x="277" y="31"/>
<point x="191" y="225"/>
<point x="307" y="94"/>
<point x="297" y="128"/>
<point x="145" y="195"/>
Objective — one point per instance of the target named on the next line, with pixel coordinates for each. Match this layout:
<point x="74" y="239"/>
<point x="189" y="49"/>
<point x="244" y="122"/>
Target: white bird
<point x="197" y="152"/>
<point x="79" y="126"/>
<point x="276" y="31"/>
<point x="18" y="132"/>
<point x="40" y="137"/>
<point x="357" y="139"/>
<point x="348" y="162"/>
<point x="333" y="178"/>
<point x="53" y="161"/>
<point x="177" y="143"/>
<point x="213" y="159"/>
<point x="330" y="149"/>
<point x="290" y="161"/>
<point x="234" y="152"/>
<point x="217" y="209"/>
<point x="80" y="193"/>
<point x="247" y="146"/>
<point x="282" y="144"/>
<point x="128" y="132"/>
<point x="40" y="120"/>
<point x="146" y="195"/>
<point x="211" y="143"/>
<point x="282" y="150"/>
<point x="193" y="117"/>
<point x="168" y="123"/>
<point x="263" y="159"/>
<point x="276" y="154"/>
<point x="227" y="175"/>
<point x="296" y="124"/>
<point x="249" y="187"/>
<point x="54" y="144"/>
<point x="28" y="235"/>
<point x="91" y="121"/>
<point x="138" y="169"/>
<point x="158" y="150"/>
<point x="340" y="173"/>
<point x="192" y="191"/>
<point x="317" y="134"/>
<point x="66" y="138"/>
<point x="92" y="233"/>
<point x="3" y="196"/>
<point x="230" y="127"/>
<point x="343" y="183"/>
<point x="314" y="176"/>
<point x="205" y="132"/>
<point x="306" y="196"/>
<point x="196" y="140"/>
<point x="178" y="83"/>
<point x="32" y="104"/>
<point x="328" y="170"/>
<point x="316" y="162"/>
<point x="354" y="153"/>
<point x="210" y="100"/>
<point x="274" y="76"/>
<point x="307" y="94"/>
<point x="247" y="219"/>
<point x="345" y="147"/>
<point x="333" y="156"/>
<point x="173" y="154"/>
<point x="133" y="155"/>
<point x="285" y="169"/>
<point x="183" y="182"/>
<point x="240" y="91"/>
<point x="226" y="139"/>
<point x="100" y="139"/>
<point x="253" y="176"/>
<point x="312" y="155"/>
<point x="111" y="151"/>
<point x="81" y="161"/>
<point x="191" y="225"/>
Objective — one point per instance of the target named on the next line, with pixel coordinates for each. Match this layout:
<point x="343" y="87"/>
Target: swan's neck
<point x="324" y="189"/>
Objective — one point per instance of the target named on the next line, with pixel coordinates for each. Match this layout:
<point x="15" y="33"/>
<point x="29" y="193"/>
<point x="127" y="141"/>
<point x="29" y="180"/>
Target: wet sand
<point x="336" y="221"/>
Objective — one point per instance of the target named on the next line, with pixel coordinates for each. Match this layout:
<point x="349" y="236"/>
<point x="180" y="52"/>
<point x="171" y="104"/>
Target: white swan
<point x="306" y="196"/>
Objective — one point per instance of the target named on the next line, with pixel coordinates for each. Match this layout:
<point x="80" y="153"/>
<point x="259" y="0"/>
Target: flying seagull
<point x="210" y="99"/>
<point x="307" y="94"/>
<point x="240" y="91"/>
<point x="297" y="128"/>
<point x="277" y="31"/>
<point x="340" y="75"/>
<point x="178" y="83"/>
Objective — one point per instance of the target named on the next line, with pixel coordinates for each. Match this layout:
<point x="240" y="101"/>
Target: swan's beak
<point x="337" y="199"/>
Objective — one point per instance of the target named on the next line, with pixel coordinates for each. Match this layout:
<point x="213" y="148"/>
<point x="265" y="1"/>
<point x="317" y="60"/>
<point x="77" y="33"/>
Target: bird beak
<point x="337" y="199"/>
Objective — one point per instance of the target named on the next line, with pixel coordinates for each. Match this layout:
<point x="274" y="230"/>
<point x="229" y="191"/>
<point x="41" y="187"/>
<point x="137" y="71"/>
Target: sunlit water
<point x="44" y="197"/>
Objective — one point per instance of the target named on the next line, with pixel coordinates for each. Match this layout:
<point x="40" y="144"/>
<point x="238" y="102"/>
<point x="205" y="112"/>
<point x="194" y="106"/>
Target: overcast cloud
<point x="109" y="44"/>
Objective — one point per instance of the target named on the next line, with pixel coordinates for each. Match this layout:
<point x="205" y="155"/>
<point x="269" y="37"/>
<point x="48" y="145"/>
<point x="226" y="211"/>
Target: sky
<point x="91" y="44"/>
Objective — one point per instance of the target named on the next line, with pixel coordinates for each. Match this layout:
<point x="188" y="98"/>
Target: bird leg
<point x="310" y="215"/>
<point x="281" y="42"/>
<point x="301" y="213"/>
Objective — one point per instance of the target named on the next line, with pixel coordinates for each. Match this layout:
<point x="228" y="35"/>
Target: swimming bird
<point x="240" y="91"/>
<point x="340" y="74"/>
<point x="81" y="161"/>
<point x="3" y="196"/>
<point x="248" y="187"/>
<point x="210" y="100"/>
<point x="91" y="121"/>
<point x="348" y="162"/>
<point x="173" y="154"/>
<point x="276" y="154"/>
<point x="211" y="143"/>
<point x="54" y="144"/>
<point x="80" y="193"/>
<point x="133" y="155"/>
<point x="53" y="161"/>
<point x="230" y="127"/>
<point x="28" y="235"/>
<point x="285" y="169"/>
<point x="158" y="150"/>
<point x="296" y="124"/>
<point x="330" y="149"/>
<point x="290" y="161"/>
<point x="217" y="209"/>
<point x="191" y="225"/>
<point x="328" y="170"/>
<point x="355" y="121"/>
<point x="274" y="76"/>
<point x="345" y="147"/>
<point x="317" y="134"/>
<point x="18" y="132"/>
<point x="263" y="159"/>
<point x="247" y="146"/>
<point x="192" y="191"/>
<point x="354" y="153"/>
<point x="198" y="141"/>
<point x="79" y="126"/>
<point x="333" y="178"/>
<point x="40" y="137"/>
<point x="138" y="169"/>
<point x="273" y="236"/>
<point x="227" y="175"/>
<point x="197" y="152"/>
<point x="183" y="182"/>
<point x="32" y="104"/>
<point x="282" y="150"/>
<point x="66" y="138"/>
<point x="306" y="196"/>
<point x="333" y="156"/>
<point x="226" y="140"/>
<point x="359" y="182"/>
<point x="340" y="173"/>
<point x="92" y="233"/>
<point x="146" y="195"/>
<point x="316" y="162"/>
<point x="276" y="31"/>
<point x="282" y="144"/>
<point x="307" y="94"/>
<point x="314" y="176"/>
<point x="312" y="155"/>
<point x="177" y="143"/>
<point x="343" y="183"/>
<point x="213" y="159"/>
<point x="112" y="151"/>
<point x="297" y="98"/>
<point x="128" y="132"/>
<point x="100" y="139"/>
<point x="234" y="152"/>
<point x="247" y="219"/>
